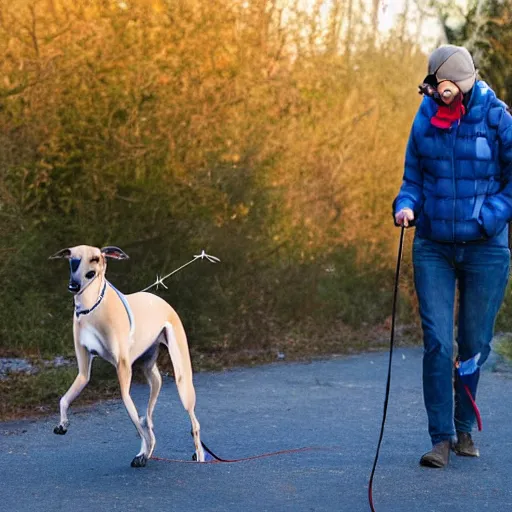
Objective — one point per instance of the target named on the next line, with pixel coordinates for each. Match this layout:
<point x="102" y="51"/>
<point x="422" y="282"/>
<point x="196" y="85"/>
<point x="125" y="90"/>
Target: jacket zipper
<point x="453" y="179"/>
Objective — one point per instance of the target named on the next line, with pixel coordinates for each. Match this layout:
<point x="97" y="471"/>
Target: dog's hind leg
<point x="124" y="374"/>
<point x="84" y="361"/>
<point x="176" y="342"/>
<point x="155" y="383"/>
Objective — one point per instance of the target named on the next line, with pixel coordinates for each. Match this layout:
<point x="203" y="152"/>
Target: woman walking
<point x="457" y="192"/>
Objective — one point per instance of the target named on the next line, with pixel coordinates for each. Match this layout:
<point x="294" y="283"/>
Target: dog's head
<point x="86" y="263"/>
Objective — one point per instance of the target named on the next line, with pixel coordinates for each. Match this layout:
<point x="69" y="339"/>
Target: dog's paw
<point x="60" y="430"/>
<point x="139" y="462"/>
<point x="206" y="457"/>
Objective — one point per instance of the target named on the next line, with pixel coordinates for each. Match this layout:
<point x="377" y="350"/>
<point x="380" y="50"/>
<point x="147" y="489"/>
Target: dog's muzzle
<point x="74" y="287"/>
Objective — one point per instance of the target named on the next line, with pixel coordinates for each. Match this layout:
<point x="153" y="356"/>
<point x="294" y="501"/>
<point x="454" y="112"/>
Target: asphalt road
<point x="335" y="404"/>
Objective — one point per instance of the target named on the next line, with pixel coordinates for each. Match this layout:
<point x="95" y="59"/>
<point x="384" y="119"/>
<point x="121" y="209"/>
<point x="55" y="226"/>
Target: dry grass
<point x="504" y="346"/>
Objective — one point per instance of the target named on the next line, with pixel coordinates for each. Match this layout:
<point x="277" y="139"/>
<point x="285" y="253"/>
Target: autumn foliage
<point x="271" y="136"/>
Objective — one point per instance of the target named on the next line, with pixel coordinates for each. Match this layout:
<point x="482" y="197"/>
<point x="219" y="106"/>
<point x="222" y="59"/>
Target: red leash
<point x="475" y="407"/>
<point x="470" y="396"/>
<point x="217" y="459"/>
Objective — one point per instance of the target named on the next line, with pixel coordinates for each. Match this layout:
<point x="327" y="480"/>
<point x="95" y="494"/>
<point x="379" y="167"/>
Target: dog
<point x="123" y="329"/>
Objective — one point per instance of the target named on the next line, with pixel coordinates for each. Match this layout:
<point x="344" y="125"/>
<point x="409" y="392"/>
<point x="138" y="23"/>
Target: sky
<point x="390" y="13"/>
<point x="431" y="30"/>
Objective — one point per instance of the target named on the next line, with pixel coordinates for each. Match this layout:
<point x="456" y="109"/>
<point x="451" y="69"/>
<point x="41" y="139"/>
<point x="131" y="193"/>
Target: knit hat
<point x="453" y="63"/>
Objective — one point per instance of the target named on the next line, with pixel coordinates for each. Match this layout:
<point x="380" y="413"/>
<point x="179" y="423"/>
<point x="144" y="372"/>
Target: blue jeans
<point x="481" y="272"/>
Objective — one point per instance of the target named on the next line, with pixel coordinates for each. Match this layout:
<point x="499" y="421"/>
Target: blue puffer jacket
<point x="458" y="181"/>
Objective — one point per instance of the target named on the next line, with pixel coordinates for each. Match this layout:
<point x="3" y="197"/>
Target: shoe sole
<point x="432" y="464"/>
<point x="465" y="454"/>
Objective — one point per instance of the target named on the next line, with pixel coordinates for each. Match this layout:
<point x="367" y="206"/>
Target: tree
<point x="485" y="28"/>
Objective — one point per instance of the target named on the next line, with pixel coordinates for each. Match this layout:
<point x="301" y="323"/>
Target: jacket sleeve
<point x="497" y="209"/>
<point x="411" y="191"/>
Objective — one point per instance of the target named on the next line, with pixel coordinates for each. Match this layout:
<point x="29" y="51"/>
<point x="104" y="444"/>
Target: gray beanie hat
<point x="453" y="63"/>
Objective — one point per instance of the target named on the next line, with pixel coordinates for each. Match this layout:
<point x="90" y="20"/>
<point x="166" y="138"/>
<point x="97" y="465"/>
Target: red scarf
<point x="447" y="114"/>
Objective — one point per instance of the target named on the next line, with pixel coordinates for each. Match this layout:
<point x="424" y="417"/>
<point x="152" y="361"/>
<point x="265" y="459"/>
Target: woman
<point x="457" y="191"/>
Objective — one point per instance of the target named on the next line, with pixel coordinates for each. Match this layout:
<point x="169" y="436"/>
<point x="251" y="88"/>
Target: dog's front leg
<point x="84" y="361"/>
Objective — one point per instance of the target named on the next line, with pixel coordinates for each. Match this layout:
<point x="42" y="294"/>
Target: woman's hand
<point x="404" y="216"/>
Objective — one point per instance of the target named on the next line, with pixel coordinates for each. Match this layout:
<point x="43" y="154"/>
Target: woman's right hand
<point x="404" y="217"/>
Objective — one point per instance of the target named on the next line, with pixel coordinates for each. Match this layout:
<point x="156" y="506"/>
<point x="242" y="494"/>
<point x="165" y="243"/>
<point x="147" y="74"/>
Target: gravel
<point x="14" y="365"/>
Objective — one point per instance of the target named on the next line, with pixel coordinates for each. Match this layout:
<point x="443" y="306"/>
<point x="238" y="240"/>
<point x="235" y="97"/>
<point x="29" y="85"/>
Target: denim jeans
<point x="481" y="272"/>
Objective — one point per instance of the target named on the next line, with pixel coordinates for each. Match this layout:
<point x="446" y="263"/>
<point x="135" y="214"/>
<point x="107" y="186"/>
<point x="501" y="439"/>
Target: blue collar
<point x="96" y="304"/>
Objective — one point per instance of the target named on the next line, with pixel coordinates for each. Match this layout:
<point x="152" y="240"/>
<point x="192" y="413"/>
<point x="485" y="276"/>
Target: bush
<point x="168" y="127"/>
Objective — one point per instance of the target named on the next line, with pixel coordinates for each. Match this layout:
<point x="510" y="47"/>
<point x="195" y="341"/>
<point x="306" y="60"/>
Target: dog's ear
<point x="114" y="252"/>
<point x="63" y="253"/>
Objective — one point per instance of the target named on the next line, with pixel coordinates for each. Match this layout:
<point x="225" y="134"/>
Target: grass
<point x="39" y="394"/>
<point x="504" y="346"/>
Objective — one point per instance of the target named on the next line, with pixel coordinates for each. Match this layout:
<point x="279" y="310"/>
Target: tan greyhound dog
<point x="123" y="329"/>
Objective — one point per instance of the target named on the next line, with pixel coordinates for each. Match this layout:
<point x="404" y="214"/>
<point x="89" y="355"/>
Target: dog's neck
<point x="89" y="297"/>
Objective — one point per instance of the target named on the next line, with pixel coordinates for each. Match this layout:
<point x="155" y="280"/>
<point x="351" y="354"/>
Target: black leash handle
<point x="388" y="383"/>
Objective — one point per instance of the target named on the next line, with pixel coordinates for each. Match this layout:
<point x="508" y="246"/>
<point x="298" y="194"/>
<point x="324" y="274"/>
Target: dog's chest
<point x="91" y="340"/>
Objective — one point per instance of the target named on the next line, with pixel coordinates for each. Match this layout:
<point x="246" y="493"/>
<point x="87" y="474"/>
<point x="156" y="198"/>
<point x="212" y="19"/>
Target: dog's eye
<point x="95" y="259"/>
<point x="90" y="274"/>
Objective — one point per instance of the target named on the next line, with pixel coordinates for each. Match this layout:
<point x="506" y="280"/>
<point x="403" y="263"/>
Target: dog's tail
<point x="176" y="341"/>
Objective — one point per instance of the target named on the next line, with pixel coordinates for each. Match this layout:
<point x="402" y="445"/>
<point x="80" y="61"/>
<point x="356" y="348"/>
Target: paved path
<point x="335" y="403"/>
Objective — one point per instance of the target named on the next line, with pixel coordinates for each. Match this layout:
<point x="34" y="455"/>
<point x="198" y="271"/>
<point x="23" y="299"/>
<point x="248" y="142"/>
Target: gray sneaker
<point x="437" y="457"/>
<point x="465" y="446"/>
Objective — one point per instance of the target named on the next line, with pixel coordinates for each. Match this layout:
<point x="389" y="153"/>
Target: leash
<point x="160" y="280"/>
<point x="388" y="383"/>
<point x="475" y="407"/>
<point x="466" y="378"/>
<point x="215" y="459"/>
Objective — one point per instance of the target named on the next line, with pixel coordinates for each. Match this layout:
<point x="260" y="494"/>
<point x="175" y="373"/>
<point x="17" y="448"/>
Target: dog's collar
<point x="96" y="304"/>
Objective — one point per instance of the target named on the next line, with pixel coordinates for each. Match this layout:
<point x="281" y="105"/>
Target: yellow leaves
<point x="240" y="211"/>
<point x="163" y="79"/>
<point x="233" y="158"/>
<point x="203" y="94"/>
<point x="158" y="6"/>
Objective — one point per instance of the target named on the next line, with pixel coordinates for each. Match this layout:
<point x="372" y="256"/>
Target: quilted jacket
<point x="458" y="181"/>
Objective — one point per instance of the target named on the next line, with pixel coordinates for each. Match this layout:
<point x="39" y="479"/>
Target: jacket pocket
<point x="491" y="225"/>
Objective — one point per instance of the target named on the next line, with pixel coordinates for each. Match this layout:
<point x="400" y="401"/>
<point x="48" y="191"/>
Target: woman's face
<point x="448" y="91"/>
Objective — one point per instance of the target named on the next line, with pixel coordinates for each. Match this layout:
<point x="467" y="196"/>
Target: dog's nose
<point x="74" y="287"/>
